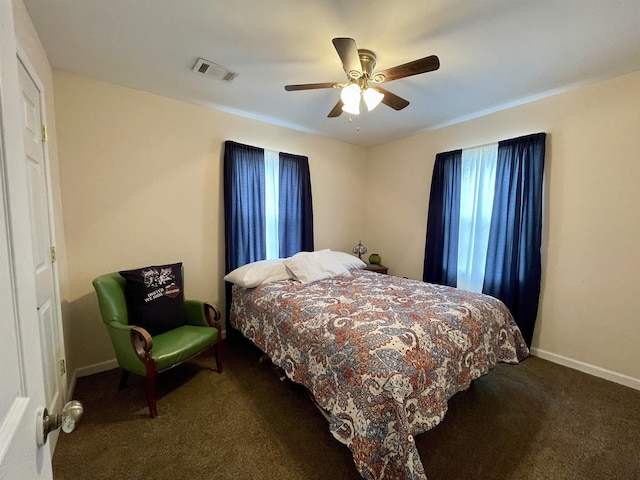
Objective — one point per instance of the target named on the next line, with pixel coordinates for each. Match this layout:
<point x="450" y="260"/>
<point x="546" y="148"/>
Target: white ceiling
<point x="493" y="53"/>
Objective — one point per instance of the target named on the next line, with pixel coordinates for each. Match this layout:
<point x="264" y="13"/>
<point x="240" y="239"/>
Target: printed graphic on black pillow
<point x="160" y="281"/>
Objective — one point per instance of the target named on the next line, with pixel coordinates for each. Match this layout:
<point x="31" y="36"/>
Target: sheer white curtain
<point x="272" y="199"/>
<point x="476" y="203"/>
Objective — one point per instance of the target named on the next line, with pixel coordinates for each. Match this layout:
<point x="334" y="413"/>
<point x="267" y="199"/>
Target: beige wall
<point x="589" y="314"/>
<point x="141" y="181"/>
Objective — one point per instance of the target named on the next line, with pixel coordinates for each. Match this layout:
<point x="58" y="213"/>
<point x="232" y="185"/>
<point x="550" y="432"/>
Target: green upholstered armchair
<point x="138" y="352"/>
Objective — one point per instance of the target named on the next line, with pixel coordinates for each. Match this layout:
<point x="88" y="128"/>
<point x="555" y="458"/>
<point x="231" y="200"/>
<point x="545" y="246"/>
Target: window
<point x="268" y="205"/>
<point x="478" y="176"/>
<point x="484" y="228"/>
<point x="271" y="195"/>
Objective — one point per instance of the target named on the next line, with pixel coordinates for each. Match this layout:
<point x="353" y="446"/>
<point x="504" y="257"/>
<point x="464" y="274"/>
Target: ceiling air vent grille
<point x="213" y="70"/>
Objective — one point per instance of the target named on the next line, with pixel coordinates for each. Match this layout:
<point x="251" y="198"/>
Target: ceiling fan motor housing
<point x="367" y="60"/>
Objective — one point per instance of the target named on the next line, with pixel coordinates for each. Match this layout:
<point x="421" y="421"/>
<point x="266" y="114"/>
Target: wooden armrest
<point x="213" y="315"/>
<point x="142" y="342"/>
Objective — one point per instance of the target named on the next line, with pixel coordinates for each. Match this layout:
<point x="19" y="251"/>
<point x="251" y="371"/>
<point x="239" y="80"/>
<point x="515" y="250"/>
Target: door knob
<point x="67" y="419"/>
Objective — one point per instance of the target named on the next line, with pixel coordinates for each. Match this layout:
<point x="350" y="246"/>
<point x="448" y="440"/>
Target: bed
<point x="381" y="355"/>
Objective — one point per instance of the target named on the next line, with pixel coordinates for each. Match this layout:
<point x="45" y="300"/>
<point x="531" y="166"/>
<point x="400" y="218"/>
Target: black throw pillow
<point x="155" y="300"/>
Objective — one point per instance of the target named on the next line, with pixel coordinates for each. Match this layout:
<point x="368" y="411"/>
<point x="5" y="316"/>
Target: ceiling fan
<point x="362" y="82"/>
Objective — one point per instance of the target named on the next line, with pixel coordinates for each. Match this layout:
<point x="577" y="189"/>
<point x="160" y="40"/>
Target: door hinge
<point x="44" y="133"/>
<point x="63" y="367"/>
<point x="53" y="254"/>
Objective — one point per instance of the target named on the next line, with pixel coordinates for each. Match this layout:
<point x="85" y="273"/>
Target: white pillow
<point x="308" y="267"/>
<point x="348" y="260"/>
<point x="257" y="273"/>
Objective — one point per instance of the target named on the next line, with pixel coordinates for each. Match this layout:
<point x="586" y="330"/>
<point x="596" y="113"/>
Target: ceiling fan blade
<point x="422" y="65"/>
<point x="337" y="110"/>
<point x="348" y="52"/>
<point x="392" y="100"/>
<point x="310" y="86"/>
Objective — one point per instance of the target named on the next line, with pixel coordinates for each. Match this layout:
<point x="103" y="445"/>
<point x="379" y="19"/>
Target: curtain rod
<point x="504" y="140"/>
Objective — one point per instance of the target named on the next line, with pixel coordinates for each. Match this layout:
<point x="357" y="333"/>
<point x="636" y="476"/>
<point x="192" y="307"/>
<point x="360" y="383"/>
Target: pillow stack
<point x="305" y="267"/>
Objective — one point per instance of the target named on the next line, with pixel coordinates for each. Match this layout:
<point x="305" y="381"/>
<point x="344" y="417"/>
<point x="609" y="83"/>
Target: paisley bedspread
<point x="381" y="354"/>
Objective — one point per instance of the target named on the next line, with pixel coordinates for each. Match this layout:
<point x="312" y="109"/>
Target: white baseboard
<point x="587" y="368"/>
<point x="96" y="368"/>
<point x="89" y="370"/>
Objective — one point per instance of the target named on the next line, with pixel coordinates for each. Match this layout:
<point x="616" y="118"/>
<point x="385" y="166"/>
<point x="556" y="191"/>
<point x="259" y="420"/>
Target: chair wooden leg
<point x="124" y="378"/>
<point x="218" y="353"/>
<point x="151" y="392"/>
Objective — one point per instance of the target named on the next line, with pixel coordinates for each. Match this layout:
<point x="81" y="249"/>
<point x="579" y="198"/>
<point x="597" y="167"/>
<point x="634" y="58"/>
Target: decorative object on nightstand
<point x="359" y="250"/>
<point x="375" y="259"/>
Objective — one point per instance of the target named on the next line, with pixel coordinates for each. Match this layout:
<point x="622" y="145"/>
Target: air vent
<point x="213" y="70"/>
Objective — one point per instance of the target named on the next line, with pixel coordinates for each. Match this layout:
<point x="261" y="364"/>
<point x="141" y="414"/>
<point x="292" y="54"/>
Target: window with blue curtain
<point x="267" y="203"/>
<point x="484" y="227"/>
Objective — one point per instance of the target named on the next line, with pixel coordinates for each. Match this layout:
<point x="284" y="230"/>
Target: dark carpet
<point x="536" y="420"/>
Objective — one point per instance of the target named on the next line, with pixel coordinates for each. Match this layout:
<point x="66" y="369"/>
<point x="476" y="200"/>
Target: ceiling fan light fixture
<point x="350" y="96"/>
<point x="352" y="108"/>
<point x="372" y="98"/>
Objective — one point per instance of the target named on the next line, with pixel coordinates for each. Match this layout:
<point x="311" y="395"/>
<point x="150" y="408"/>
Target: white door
<point x="21" y="376"/>
<point x="21" y="392"/>
<point x="48" y="306"/>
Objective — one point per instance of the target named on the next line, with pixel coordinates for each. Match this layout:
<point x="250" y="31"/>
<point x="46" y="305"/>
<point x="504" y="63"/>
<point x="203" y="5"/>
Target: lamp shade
<point x="350" y="97"/>
<point x="350" y="94"/>
<point x="359" y="250"/>
<point x="372" y="98"/>
<point x="353" y="109"/>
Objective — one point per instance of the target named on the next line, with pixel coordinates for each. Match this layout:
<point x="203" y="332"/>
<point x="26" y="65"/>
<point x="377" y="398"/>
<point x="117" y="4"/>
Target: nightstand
<point x="372" y="267"/>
